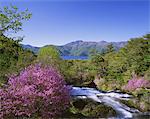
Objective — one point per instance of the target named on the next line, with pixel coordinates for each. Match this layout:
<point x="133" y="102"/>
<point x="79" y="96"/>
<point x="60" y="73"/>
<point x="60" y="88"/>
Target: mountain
<point x="81" y="48"/>
<point x="32" y="48"/>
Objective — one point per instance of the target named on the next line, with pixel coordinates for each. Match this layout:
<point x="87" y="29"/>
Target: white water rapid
<point x="107" y="98"/>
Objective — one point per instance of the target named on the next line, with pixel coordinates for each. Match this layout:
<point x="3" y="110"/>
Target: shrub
<point x="36" y="92"/>
<point x="137" y="82"/>
<point x="49" y="55"/>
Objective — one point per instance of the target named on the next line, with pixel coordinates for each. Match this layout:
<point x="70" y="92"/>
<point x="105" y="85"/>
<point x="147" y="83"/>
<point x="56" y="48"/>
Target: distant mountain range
<point x="31" y="48"/>
<point x="81" y="48"/>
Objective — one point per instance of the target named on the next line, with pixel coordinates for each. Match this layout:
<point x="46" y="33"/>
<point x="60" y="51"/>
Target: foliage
<point x="136" y="52"/>
<point x="37" y="91"/>
<point x="11" y="19"/>
<point x="49" y="52"/>
<point x="78" y="72"/>
<point x="49" y="55"/>
<point x="110" y="48"/>
<point x="108" y="84"/>
<point x="114" y="68"/>
<point x="147" y="74"/>
<point x="12" y="58"/>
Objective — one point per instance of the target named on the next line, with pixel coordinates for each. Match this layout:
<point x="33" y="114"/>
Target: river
<point x="112" y="99"/>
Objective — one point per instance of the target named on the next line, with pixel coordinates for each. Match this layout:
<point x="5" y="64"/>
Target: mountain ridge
<point x="80" y="48"/>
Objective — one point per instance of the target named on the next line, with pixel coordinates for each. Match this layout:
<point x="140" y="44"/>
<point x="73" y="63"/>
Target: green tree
<point x="12" y="57"/>
<point x="8" y="53"/>
<point x="11" y="19"/>
<point x="49" y="55"/>
<point x="92" y="52"/>
<point x="137" y="53"/>
<point x="110" y="48"/>
<point x="133" y="58"/>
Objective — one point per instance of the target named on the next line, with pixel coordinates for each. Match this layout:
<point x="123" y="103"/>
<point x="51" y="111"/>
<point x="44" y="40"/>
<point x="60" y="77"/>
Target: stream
<point x="111" y="99"/>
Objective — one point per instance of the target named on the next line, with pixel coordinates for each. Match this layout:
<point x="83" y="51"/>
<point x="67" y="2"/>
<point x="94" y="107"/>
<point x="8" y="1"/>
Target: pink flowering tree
<point x="37" y="92"/>
<point x="137" y="82"/>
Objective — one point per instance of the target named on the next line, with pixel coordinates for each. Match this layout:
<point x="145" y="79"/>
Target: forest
<point x="34" y="85"/>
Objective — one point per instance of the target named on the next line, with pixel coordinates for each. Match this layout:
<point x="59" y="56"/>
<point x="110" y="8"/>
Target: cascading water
<point x="107" y="98"/>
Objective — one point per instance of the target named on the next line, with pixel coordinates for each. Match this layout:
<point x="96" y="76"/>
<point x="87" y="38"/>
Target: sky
<point x="59" y="22"/>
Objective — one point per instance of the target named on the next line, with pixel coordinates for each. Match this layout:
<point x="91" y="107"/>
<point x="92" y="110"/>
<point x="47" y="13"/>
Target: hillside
<point x="81" y="48"/>
<point x="32" y="48"/>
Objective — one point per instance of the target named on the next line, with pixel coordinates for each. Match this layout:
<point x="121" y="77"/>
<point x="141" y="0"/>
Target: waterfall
<point x="107" y="98"/>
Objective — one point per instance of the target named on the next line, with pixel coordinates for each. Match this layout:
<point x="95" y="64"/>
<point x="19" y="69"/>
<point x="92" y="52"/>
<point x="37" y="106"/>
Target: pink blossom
<point x="37" y="90"/>
<point x="137" y="82"/>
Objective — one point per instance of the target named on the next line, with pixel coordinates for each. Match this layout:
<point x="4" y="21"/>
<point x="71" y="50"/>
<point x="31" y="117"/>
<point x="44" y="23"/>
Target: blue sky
<point x="61" y="21"/>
